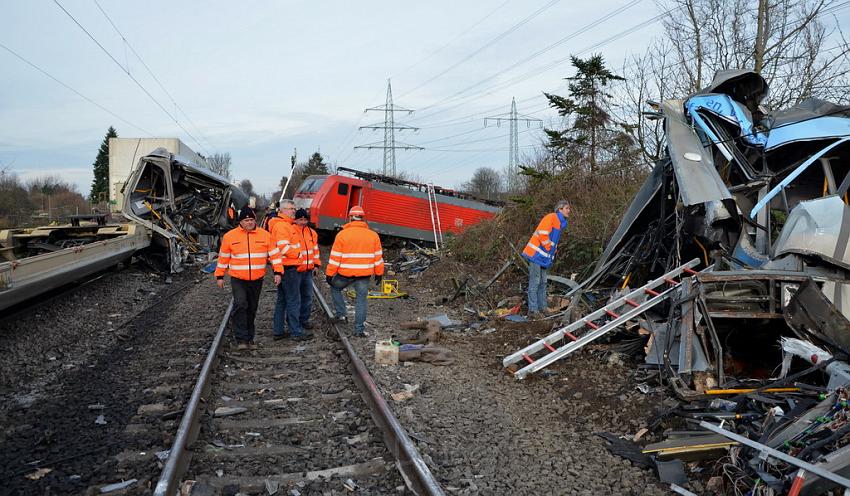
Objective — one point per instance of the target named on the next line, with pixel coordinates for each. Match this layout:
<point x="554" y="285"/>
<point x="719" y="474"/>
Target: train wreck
<point x="186" y="206"/>
<point x="732" y="266"/>
<point x="173" y="212"/>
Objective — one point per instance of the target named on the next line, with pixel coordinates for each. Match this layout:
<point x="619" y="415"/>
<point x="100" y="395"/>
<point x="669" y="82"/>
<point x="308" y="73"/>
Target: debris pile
<point x="730" y="271"/>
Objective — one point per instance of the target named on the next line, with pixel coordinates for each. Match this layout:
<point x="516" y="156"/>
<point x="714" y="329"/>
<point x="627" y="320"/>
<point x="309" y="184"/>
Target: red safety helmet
<point x="356" y="211"/>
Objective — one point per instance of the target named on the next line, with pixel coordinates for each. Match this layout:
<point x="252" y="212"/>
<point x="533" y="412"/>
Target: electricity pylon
<point x="513" y="117"/>
<point x="389" y="126"/>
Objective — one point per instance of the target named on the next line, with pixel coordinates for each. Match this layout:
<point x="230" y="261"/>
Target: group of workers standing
<point x="291" y="246"/>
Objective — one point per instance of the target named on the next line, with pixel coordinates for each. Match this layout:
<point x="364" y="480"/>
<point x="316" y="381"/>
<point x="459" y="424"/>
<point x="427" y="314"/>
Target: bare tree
<point x="220" y="164"/>
<point x="796" y="45"/>
<point x="247" y="186"/>
<point x="485" y="183"/>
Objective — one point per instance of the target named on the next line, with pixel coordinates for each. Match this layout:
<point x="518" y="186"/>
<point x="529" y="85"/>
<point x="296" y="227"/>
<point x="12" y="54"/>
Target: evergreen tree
<point x="587" y="104"/>
<point x="315" y="166"/>
<point x="100" y="184"/>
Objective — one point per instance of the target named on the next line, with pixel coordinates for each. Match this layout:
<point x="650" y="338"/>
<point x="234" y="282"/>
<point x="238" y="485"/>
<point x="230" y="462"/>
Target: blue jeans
<point x="361" y="291"/>
<point x="287" y="309"/>
<point x="306" y="290"/>
<point x="537" y="301"/>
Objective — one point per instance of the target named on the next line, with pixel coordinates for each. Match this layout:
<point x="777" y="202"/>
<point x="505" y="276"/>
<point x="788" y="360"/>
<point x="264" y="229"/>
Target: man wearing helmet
<point x="356" y="256"/>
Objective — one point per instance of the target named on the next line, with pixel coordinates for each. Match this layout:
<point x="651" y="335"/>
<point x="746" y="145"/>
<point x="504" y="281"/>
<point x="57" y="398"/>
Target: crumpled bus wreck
<point x="733" y="265"/>
<point x="761" y="199"/>
<point x="186" y="206"/>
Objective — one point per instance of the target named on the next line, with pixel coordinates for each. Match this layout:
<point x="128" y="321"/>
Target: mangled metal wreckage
<point x="733" y="266"/>
<point x="186" y="206"/>
<point x="175" y="211"/>
<point x="759" y="198"/>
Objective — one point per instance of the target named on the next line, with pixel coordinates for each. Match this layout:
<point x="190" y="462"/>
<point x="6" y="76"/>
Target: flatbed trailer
<point x="65" y="254"/>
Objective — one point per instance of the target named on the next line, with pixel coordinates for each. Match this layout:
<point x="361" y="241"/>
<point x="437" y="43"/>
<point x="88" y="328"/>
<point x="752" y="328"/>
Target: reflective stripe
<point x="379" y="253"/>
<point x="333" y="262"/>
<point x="538" y="250"/>
<point x="379" y="261"/>
<point x="547" y="242"/>
<point x="336" y="253"/>
<point x="243" y="255"/>
<point x="274" y="252"/>
<point x="282" y="242"/>
<point x="541" y="232"/>
<point x="222" y="254"/>
<point x="222" y="266"/>
<point x="356" y="266"/>
<point x="276" y="261"/>
<point x="247" y="267"/>
<point x="358" y="255"/>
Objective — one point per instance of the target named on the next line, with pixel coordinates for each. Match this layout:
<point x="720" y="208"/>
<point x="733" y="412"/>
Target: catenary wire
<point x="68" y="87"/>
<point x="158" y="82"/>
<point x="130" y="75"/>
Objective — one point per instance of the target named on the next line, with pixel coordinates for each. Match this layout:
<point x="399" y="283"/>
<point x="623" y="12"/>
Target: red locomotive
<point x="394" y="207"/>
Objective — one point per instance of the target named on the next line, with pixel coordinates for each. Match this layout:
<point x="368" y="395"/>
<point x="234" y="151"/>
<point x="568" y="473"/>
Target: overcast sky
<point x="259" y="79"/>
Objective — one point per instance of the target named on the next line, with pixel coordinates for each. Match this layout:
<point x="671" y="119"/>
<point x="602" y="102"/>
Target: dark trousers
<point x="246" y="297"/>
<point x="292" y="293"/>
<point x="306" y="286"/>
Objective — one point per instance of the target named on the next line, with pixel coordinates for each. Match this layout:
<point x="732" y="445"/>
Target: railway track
<point x="288" y="418"/>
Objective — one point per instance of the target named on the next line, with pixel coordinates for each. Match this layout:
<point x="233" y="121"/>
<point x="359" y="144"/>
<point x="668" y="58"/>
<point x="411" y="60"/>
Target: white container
<point x="386" y="353"/>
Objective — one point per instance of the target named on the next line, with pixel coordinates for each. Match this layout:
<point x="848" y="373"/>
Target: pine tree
<point x="100" y="184"/>
<point x="587" y="103"/>
<point x="315" y="166"/>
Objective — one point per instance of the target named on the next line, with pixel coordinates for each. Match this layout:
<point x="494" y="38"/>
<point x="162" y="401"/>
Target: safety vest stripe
<point x="357" y="266"/>
<point x="247" y="267"/>
<point x="221" y="254"/>
<point x="274" y="252"/>
<point x="222" y="265"/>
<point x="538" y="250"/>
<point x="357" y="255"/>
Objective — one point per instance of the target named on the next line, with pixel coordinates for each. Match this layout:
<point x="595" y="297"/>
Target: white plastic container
<point x="386" y="353"/>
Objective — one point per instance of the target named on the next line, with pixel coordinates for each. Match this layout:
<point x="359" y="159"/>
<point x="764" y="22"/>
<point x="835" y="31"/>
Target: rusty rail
<point x="415" y="472"/>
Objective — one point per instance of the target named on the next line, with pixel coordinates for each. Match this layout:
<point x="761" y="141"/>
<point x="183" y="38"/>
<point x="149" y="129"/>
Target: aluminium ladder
<point x="435" y="215"/>
<point x="635" y="303"/>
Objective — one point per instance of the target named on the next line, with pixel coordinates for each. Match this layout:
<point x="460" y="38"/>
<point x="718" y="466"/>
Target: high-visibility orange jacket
<point x="285" y="234"/>
<point x="309" y="248"/>
<point x="543" y="244"/>
<point x="244" y="254"/>
<point x="271" y="223"/>
<point x="356" y="252"/>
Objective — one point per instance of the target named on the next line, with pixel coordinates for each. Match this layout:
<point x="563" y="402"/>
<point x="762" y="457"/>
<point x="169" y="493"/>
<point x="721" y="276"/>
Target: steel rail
<point x="178" y="457"/>
<point x="415" y="472"/>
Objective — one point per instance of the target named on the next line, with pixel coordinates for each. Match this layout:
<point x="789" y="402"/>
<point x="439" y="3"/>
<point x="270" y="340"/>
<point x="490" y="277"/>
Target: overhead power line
<point x="158" y="82"/>
<point x="538" y="53"/>
<point x="68" y="87"/>
<point x="490" y="43"/>
<point x="130" y="75"/>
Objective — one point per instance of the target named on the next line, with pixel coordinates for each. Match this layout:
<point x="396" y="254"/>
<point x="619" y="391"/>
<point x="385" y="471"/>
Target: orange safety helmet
<point x="356" y="211"/>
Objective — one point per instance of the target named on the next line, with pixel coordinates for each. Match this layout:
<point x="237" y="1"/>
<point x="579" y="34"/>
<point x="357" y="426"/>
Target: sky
<point x="261" y="79"/>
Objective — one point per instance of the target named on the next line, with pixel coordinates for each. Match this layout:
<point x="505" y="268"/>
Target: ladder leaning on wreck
<point x="546" y="351"/>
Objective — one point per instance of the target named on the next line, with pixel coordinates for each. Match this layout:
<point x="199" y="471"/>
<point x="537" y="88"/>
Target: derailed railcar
<point x="394" y="207"/>
<point x="187" y="206"/>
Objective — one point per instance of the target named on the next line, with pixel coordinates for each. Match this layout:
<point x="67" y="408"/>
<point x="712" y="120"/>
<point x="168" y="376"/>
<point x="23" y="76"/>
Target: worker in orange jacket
<point x="287" y="308"/>
<point x="356" y="255"/>
<point x="310" y="263"/>
<point x="540" y="253"/>
<point x="244" y="252"/>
